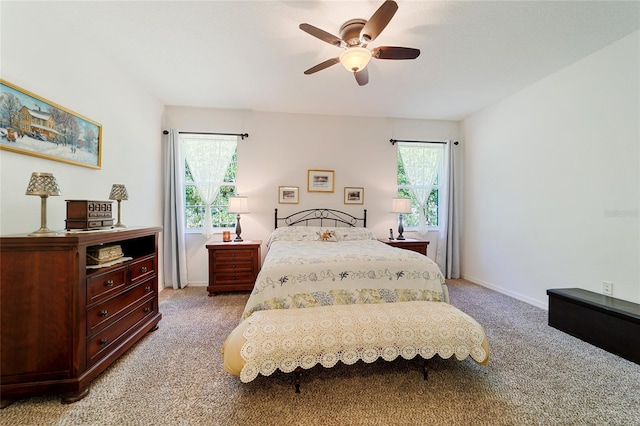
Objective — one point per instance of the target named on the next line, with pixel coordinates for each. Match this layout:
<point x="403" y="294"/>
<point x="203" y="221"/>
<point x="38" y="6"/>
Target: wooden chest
<point x="85" y="214"/>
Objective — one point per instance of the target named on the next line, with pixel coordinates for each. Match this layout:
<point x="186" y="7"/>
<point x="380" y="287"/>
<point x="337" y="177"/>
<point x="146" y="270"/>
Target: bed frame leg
<point x="297" y="373"/>
<point x="425" y="369"/>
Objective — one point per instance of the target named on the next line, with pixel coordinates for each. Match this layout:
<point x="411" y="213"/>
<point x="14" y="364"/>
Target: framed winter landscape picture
<point x="35" y="126"/>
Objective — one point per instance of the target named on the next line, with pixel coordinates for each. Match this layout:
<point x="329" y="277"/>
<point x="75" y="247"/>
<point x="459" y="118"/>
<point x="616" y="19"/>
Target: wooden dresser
<point x="409" y="244"/>
<point x="62" y="323"/>
<point x="233" y="266"/>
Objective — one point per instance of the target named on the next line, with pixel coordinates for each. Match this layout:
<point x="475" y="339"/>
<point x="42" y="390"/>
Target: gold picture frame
<point x="320" y="180"/>
<point x="288" y="195"/>
<point x="34" y="126"/>
<point x="353" y="195"/>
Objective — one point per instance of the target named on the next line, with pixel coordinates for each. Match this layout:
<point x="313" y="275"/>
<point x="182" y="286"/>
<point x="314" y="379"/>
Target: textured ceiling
<point x="251" y="54"/>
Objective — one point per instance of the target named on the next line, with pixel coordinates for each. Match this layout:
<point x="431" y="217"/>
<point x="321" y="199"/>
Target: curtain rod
<point x="393" y="142"/>
<point x="242" y="135"/>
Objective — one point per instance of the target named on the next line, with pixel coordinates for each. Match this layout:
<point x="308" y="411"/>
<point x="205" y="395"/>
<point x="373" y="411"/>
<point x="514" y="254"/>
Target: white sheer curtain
<point x="175" y="258"/>
<point x="448" y="252"/>
<point x="208" y="157"/>
<point x="422" y="164"/>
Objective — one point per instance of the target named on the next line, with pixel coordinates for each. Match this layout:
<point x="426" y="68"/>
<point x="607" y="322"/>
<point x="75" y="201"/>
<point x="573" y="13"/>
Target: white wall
<point x="282" y="147"/>
<point x="75" y="76"/>
<point x="552" y="182"/>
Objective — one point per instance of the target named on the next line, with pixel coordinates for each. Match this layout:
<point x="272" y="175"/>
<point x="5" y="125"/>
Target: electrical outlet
<point x="607" y="288"/>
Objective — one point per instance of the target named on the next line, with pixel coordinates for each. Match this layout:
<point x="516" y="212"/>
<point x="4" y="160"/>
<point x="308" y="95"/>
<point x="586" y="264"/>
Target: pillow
<point x="354" y="234"/>
<point x="327" y="235"/>
<point x="312" y="233"/>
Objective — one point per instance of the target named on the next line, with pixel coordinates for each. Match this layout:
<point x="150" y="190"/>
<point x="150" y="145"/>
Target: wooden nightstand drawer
<point x="233" y="266"/>
<point x="232" y="255"/>
<point x="231" y="278"/>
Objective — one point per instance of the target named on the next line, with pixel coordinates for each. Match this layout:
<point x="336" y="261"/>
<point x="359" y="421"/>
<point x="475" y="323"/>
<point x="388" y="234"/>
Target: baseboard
<point x="540" y="304"/>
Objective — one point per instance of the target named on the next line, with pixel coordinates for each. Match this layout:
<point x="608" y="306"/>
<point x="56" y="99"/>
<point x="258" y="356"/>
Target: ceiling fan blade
<point x="378" y="21"/>
<point x="322" y="65"/>
<point x="321" y="34"/>
<point x="362" y="76"/>
<point x="392" y="52"/>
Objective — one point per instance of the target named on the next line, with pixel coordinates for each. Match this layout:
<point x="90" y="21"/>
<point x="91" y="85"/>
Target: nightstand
<point x="419" y="246"/>
<point x="233" y="266"/>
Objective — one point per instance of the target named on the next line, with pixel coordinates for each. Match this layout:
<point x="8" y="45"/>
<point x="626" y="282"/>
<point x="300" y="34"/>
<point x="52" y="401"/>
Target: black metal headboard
<point x="318" y="217"/>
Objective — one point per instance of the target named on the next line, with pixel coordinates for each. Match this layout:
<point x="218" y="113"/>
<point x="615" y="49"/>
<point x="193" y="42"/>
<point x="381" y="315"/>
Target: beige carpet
<point x="537" y="376"/>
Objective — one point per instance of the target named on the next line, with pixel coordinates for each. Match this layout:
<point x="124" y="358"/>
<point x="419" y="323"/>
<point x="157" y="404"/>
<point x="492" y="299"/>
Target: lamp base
<point x="400" y="229"/>
<point x="119" y="225"/>
<point x="238" y="238"/>
<point x="42" y="232"/>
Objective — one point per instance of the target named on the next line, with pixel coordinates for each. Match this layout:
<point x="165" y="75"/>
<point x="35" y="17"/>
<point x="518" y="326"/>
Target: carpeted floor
<point x="537" y="376"/>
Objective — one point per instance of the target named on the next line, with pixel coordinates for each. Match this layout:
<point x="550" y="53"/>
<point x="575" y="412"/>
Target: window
<point x="420" y="175"/>
<point x="210" y="163"/>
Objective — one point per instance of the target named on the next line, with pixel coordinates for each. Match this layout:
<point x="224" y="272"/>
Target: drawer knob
<point x="147" y="289"/>
<point x="233" y="255"/>
<point x="109" y="283"/>
<point x="103" y="341"/>
<point x="103" y="313"/>
<point x="147" y="310"/>
<point x="233" y="266"/>
<point x="143" y="269"/>
<point x="233" y="278"/>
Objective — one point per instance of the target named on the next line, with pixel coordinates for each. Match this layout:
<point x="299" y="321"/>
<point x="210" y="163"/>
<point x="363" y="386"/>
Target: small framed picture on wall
<point x="320" y="181"/>
<point x="288" y="195"/>
<point x="353" y="195"/>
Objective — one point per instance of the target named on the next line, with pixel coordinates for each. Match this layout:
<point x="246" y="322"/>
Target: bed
<point x="329" y="291"/>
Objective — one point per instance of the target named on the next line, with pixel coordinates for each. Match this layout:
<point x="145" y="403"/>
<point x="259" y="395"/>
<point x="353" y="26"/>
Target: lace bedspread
<point x="303" y="274"/>
<point x="287" y="339"/>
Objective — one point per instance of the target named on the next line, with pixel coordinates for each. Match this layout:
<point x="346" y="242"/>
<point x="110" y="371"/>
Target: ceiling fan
<point x="355" y="35"/>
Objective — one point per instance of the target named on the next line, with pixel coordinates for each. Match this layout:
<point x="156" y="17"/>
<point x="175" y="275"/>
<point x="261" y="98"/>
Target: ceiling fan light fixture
<point x="355" y="59"/>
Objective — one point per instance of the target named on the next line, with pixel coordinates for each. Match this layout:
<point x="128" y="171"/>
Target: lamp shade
<point x="401" y="205"/>
<point x="118" y="192"/>
<point x="238" y="204"/>
<point x="43" y="184"/>
<point x="354" y="59"/>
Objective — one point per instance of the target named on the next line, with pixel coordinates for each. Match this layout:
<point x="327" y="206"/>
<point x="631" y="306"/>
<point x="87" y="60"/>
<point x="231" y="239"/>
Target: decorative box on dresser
<point x="233" y="266"/>
<point x="409" y="244"/>
<point x="62" y="323"/>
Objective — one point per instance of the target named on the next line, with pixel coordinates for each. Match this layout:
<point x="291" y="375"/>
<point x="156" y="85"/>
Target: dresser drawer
<point x="104" y="314"/>
<point x="103" y="286"/>
<point x="142" y="269"/>
<point x="231" y="255"/>
<point x="105" y="341"/>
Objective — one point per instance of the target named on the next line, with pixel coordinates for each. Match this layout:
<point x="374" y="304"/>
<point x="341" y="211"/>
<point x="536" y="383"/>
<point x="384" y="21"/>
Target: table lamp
<point x="237" y="205"/>
<point x="400" y="206"/>
<point x="44" y="185"/>
<point x="119" y="193"/>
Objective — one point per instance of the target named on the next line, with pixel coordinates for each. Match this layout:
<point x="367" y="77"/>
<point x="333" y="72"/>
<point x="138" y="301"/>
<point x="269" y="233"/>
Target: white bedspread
<point x="301" y="274"/>
<point x="284" y="340"/>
